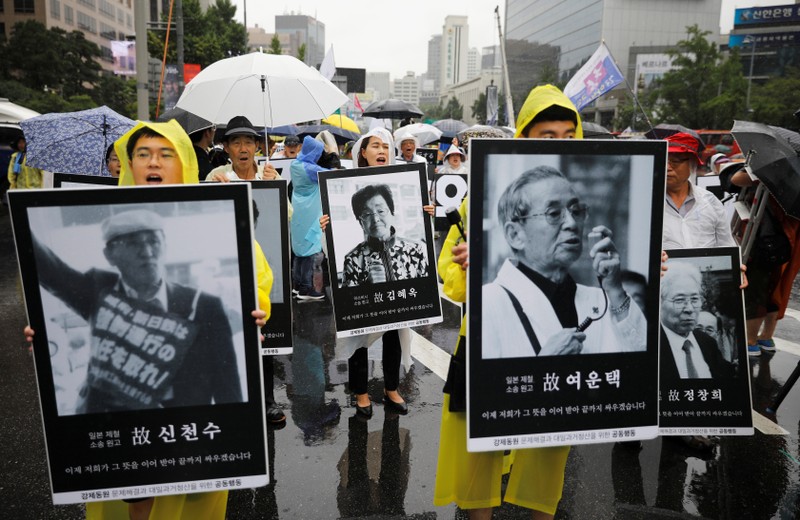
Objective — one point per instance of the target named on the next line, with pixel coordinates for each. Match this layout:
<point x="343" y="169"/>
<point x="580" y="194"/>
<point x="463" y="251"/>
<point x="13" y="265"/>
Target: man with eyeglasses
<point x="687" y="352"/>
<point x="382" y="256"/>
<point x="534" y="307"/>
<point x="693" y="216"/>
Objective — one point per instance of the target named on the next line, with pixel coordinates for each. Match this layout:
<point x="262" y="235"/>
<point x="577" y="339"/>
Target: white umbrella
<point x="269" y="89"/>
<point x="424" y="133"/>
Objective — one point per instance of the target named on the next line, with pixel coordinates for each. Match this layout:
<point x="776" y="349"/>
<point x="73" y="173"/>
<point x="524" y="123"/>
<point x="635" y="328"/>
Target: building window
<point x="68" y="19"/>
<point x="107" y="54"/>
<point x="107" y="9"/>
<point x="107" y="32"/>
<point x="87" y="23"/>
<point x="23" y="6"/>
<point x="55" y="9"/>
<point x="87" y="3"/>
<point x="120" y="16"/>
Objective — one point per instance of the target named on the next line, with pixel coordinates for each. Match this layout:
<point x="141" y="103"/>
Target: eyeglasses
<point x="555" y="216"/>
<point x="682" y="301"/>
<point x="675" y="160"/>
<point x="369" y="215"/>
<point x="145" y="155"/>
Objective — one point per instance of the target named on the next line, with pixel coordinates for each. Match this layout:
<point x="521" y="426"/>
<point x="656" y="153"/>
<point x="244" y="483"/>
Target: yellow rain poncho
<point x="542" y="97"/>
<point x="195" y="506"/>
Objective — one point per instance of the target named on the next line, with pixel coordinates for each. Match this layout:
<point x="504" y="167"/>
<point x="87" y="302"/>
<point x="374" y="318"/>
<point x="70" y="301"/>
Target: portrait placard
<point x="71" y="180"/>
<point x="146" y="354"/>
<point x="563" y="291"/>
<point x="271" y="230"/>
<point x="380" y="249"/>
<point x="704" y="375"/>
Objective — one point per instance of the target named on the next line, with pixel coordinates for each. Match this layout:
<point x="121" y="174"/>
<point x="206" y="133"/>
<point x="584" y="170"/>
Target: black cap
<point x="291" y="140"/>
<point x="240" y="125"/>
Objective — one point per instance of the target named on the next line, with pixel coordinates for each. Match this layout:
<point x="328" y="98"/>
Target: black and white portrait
<point x="559" y="232"/>
<point x="142" y="310"/>
<point x="378" y="222"/>
<point x="698" y="331"/>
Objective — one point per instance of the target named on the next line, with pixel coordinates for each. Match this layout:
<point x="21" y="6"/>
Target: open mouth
<point x="381" y="160"/>
<point x="154" y="178"/>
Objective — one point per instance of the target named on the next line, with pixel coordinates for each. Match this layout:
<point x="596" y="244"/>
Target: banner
<point x="597" y="76"/>
<point x="491" y="105"/>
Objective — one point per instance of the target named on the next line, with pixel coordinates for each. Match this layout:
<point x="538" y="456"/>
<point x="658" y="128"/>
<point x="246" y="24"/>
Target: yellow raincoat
<point x="28" y="177"/>
<point x="472" y="480"/>
<point x="195" y="506"/>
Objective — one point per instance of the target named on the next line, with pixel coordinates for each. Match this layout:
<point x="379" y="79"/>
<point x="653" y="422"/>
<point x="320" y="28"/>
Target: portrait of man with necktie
<point x="686" y="351"/>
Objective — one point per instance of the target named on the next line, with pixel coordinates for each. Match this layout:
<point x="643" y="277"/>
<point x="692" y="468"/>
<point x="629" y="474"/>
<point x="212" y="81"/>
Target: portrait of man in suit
<point x="687" y="352"/>
<point x="152" y="341"/>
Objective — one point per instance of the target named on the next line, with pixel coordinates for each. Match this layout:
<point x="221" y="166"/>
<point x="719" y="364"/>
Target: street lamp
<point x="750" y="75"/>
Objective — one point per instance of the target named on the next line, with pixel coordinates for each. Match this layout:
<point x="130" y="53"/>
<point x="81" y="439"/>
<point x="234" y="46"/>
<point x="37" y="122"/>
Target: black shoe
<point x="364" y="411"/>
<point x="401" y="408"/>
<point x="275" y="415"/>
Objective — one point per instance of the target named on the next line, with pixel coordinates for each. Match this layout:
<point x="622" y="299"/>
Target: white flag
<point x="597" y="76"/>
<point x="328" y="67"/>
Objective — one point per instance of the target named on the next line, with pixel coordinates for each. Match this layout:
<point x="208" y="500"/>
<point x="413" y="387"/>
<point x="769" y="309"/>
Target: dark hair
<point x="552" y="113"/>
<point x="362" y="161"/>
<point x="360" y="198"/>
<point x="108" y="151"/>
<point x="255" y="213"/>
<point x="144" y="131"/>
<point x="195" y="137"/>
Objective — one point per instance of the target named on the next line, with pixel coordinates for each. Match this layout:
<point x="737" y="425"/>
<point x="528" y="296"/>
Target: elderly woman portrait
<point x="382" y="256"/>
<point x="534" y="307"/>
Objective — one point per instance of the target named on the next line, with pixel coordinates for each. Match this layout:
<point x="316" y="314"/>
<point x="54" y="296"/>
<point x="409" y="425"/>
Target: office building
<point x="407" y="88"/>
<point x="302" y="29"/>
<point x="378" y="85"/>
<point x="454" y="50"/>
<point x="101" y="21"/>
<point x="434" y="71"/>
<point x="473" y="63"/>
<point x="547" y="39"/>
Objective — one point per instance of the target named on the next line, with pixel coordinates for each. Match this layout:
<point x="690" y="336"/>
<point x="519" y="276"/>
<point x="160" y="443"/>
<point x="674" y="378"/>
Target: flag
<point x="328" y="67"/>
<point x="357" y="103"/>
<point x="597" y="76"/>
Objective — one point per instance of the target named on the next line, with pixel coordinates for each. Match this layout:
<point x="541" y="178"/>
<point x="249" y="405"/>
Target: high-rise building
<point x="435" y="61"/>
<point x="407" y="88"/>
<point x="379" y="85"/>
<point x="490" y="57"/>
<point x="473" y="63"/>
<point x="455" y="46"/>
<point x="101" y="21"/>
<point x="550" y="39"/>
<point x="302" y="29"/>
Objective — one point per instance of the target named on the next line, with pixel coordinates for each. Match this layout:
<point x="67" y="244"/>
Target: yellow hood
<point x="542" y="97"/>
<point x="171" y="131"/>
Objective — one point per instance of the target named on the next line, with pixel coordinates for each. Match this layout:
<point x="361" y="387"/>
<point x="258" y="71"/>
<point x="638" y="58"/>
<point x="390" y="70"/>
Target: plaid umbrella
<point x="479" y="131"/>
<point x="73" y="142"/>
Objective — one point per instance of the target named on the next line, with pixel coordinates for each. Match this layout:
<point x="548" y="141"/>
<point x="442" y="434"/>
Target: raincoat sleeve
<point x="264" y="279"/>
<point x="454" y="278"/>
<point x="12" y="177"/>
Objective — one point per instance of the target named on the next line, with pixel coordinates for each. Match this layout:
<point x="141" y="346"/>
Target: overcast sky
<point x="396" y="40"/>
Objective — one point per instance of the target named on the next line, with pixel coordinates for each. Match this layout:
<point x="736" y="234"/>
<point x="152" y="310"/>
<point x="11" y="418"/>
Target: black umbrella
<point x="450" y="128"/>
<point x="340" y="134"/>
<point x="392" y="109"/>
<point x="595" y="131"/>
<point x="772" y="159"/>
<point x="190" y="122"/>
<point x="665" y="130"/>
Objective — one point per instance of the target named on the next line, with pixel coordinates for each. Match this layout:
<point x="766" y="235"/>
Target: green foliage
<point x="479" y="108"/>
<point x="452" y="110"/>
<point x="301" y="53"/>
<point x="117" y="93"/>
<point x="207" y="37"/>
<point x="774" y="102"/>
<point x="275" y="45"/>
<point x="705" y="90"/>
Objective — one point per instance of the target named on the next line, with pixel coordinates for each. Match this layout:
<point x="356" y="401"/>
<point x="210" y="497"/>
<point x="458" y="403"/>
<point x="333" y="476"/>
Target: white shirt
<point x="676" y="345"/>
<point x="704" y="224"/>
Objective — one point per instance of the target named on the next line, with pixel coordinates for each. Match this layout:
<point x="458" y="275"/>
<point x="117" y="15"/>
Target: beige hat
<point x="131" y="222"/>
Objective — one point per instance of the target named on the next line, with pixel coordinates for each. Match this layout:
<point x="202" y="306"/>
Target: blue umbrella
<point x="340" y="134"/>
<point x="284" y="130"/>
<point x="73" y="142"/>
<point x="450" y="127"/>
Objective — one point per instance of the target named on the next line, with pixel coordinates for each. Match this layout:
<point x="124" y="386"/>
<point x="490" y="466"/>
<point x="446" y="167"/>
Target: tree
<point x="479" y="108"/>
<point x="453" y="109"/>
<point x="301" y="53"/>
<point x="775" y="101"/>
<point x="207" y="37"/>
<point x="275" y="45"/>
<point x="704" y="90"/>
<point x="117" y="93"/>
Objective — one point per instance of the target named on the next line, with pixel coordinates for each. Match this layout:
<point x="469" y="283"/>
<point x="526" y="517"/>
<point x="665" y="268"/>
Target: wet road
<point x="328" y="464"/>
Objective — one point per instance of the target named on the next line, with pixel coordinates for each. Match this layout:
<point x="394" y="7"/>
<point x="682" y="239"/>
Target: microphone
<point x="454" y="217"/>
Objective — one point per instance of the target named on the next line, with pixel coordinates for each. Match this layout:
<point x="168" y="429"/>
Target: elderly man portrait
<point x="128" y="311"/>
<point x="687" y="351"/>
<point x="382" y="256"/>
<point x="534" y="307"/>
